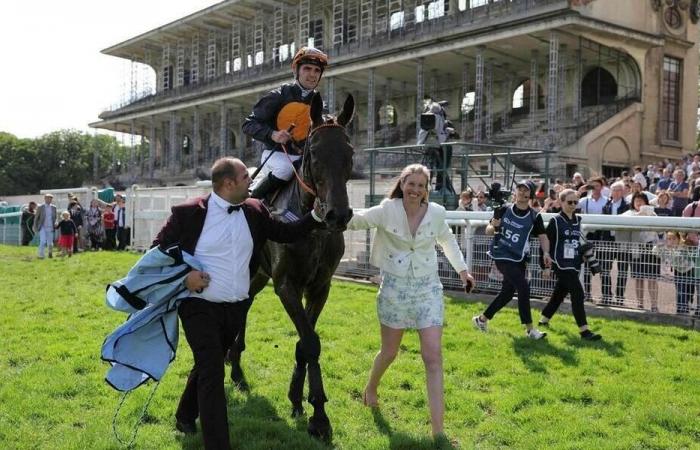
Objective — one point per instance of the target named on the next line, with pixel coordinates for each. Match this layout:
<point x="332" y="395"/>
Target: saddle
<point x="285" y="202"/>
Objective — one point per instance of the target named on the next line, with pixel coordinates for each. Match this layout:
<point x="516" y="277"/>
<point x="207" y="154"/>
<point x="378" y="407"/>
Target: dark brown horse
<point x="304" y="269"/>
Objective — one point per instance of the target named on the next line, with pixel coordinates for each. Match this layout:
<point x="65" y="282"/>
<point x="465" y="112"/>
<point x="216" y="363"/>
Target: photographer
<point x="564" y="233"/>
<point x="512" y="226"/>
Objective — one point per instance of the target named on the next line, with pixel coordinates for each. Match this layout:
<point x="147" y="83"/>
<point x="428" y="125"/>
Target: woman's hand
<point x="467" y="280"/>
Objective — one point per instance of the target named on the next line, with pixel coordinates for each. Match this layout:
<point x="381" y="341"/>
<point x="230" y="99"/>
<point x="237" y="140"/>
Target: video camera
<point x="497" y="195"/>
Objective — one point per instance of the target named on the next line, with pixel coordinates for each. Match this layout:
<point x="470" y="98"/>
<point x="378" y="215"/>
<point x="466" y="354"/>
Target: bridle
<point x="309" y="186"/>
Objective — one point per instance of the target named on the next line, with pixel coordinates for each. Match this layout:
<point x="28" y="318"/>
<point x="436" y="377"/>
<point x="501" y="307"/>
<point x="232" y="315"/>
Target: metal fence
<point x="10" y="231"/>
<point x="640" y="275"/>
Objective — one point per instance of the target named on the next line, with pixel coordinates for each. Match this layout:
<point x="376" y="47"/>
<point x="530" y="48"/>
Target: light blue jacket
<point x="143" y="347"/>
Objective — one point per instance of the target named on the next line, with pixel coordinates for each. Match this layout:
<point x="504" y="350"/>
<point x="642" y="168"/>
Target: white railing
<point x="641" y="270"/>
<point x="628" y="264"/>
<point x="10" y="228"/>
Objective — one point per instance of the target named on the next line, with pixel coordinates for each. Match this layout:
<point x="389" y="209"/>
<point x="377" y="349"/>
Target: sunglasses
<point x="572" y="202"/>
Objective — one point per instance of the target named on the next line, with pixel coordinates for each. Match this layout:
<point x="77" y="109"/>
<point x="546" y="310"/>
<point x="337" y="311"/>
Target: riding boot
<point x="267" y="186"/>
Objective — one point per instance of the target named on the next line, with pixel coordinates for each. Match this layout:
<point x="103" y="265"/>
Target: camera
<point x="497" y="195"/>
<point x="588" y="253"/>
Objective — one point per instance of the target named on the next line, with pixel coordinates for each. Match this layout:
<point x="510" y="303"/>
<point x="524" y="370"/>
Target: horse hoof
<point x="320" y="429"/>
<point x="297" y="411"/>
<point x="241" y="385"/>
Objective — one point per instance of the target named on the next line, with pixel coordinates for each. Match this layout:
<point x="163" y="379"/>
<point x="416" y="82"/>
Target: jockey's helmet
<point x="309" y="55"/>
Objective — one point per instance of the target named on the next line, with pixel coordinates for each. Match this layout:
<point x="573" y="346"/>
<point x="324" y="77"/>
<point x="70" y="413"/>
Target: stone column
<point x="152" y="147"/>
<point x="196" y="138"/>
<point x="419" y="93"/>
<point x="488" y="126"/>
<point x="174" y="148"/>
<point x="330" y="96"/>
<point x="222" y="129"/>
<point x="576" y="113"/>
<point x="506" y="88"/>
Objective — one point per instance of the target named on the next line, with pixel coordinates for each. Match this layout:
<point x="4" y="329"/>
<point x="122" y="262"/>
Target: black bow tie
<point x="233" y="208"/>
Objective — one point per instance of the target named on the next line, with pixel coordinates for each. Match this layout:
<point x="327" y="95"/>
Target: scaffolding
<point x="478" y="94"/>
<point x="236" y="46"/>
<point x="338" y="21"/>
<point x="552" y="86"/>
<point x="370" y="109"/>
<point x="277" y="33"/>
<point x="534" y="92"/>
<point x="419" y="93"/>
<point x="489" y="101"/>
<point x="194" y="59"/>
<point x="381" y="12"/>
<point x="211" y="56"/>
<point x="462" y="108"/>
<point x="166" y="68"/>
<point x="353" y="21"/>
<point x="304" y="13"/>
<point x="366" y="19"/>
<point x="180" y="63"/>
<point x="259" y="39"/>
<point x="225" y="56"/>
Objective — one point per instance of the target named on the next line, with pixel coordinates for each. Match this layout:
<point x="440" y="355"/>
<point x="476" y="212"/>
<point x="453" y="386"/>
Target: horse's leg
<point x="308" y="353"/>
<point x="319" y="423"/>
<point x="238" y="345"/>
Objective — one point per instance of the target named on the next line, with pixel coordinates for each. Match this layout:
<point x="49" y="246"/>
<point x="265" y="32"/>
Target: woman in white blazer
<point x="410" y="294"/>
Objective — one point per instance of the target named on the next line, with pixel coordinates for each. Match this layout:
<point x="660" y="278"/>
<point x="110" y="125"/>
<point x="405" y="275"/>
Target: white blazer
<point x="396" y="251"/>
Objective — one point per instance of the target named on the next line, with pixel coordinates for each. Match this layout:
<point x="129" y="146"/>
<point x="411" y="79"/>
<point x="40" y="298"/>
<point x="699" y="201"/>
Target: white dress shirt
<point x="589" y="205"/>
<point x="224" y="249"/>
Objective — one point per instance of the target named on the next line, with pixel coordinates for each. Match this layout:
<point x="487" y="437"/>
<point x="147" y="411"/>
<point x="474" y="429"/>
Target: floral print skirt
<point x="410" y="302"/>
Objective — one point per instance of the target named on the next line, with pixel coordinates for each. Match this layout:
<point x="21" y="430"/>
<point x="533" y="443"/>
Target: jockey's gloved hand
<point x="319" y="211"/>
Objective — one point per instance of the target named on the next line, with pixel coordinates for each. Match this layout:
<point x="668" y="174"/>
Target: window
<point x="436" y="9"/>
<point x="468" y="102"/>
<point x="420" y="13"/>
<point x="519" y="97"/>
<point x="396" y="21"/>
<point x="670" y="108"/>
<point x="237" y="64"/>
<point x="283" y="52"/>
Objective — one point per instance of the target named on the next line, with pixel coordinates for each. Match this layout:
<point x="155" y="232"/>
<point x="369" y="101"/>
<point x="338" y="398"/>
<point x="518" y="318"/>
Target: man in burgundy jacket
<point x="225" y="231"/>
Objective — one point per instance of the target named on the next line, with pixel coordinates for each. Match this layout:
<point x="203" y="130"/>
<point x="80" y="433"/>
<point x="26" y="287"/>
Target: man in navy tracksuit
<point x="564" y="233"/>
<point x="510" y="248"/>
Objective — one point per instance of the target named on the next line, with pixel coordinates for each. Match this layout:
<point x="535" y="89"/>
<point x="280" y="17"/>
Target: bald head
<point x="224" y="168"/>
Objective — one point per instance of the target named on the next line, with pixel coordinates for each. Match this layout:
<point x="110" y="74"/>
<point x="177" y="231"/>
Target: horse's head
<point x="328" y="161"/>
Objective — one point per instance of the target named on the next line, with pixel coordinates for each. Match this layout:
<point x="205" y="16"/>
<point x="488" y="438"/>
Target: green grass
<point x="638" y="388"/>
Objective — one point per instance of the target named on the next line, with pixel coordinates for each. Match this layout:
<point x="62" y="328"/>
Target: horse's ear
<point x="316" y="110"/>
<point x="348" y="111"/>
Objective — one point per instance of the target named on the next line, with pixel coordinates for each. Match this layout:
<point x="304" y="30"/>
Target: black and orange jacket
<point x="278" y="110"/>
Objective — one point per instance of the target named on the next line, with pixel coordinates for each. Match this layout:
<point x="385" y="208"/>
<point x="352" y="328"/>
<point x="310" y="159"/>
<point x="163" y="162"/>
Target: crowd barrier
<point x="628" y="264"/>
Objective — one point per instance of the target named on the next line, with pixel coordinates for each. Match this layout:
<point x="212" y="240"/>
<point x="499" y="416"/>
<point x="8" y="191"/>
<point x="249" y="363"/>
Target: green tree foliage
<point x="61" y="159"/>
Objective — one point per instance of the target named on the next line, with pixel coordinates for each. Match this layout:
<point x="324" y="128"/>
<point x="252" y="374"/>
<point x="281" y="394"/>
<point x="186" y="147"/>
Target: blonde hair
<point x="565" y="193"/>
<point x="396" y="192"/>
<point x="65" y="214"/>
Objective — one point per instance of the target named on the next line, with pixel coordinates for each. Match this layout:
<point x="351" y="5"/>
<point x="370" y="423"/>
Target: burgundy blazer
<point x="185" y="224"/>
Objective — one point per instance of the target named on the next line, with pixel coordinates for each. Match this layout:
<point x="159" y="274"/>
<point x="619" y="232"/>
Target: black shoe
<point x="588" y="335"/>
<point x="186" y="427"/>
<point x="267" y="186"/>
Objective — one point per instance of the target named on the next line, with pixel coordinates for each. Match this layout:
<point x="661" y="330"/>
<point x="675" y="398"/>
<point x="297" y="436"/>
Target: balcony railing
<point x="424" y="32"/>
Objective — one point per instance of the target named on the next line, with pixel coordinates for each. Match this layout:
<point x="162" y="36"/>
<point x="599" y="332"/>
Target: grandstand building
<point x="605" y="84"/>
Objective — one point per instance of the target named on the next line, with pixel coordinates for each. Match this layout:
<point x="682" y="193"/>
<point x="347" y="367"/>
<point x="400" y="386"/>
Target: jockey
<point x="282" y="117"/>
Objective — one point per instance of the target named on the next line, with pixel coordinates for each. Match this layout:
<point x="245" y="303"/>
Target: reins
<point x="308" y="189"/>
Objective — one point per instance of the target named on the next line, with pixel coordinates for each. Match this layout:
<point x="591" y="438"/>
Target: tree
<point x="61" y="159"/>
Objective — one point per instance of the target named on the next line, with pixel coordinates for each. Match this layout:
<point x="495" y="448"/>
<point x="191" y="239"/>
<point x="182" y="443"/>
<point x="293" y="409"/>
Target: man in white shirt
<point x="226" y="232"/>
<point x="120" y="222"/>
<point x="44" y="223"/>
<point x="592" y="204"/>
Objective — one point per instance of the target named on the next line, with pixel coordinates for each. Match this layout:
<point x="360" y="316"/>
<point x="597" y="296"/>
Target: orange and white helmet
<point x="309" y="55"/>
